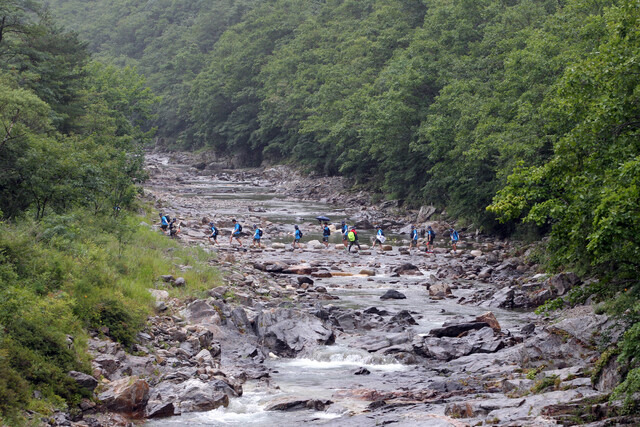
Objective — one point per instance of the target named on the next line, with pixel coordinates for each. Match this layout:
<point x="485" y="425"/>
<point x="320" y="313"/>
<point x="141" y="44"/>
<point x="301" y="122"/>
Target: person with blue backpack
<point x="297" y="235"/>
<point x="164" y="223"/>
<point x="213" y="238"/>
<point x="237" y="229"/>
<point x="326" y="232"/>
<point x="454" y="238"/>
<point x="345" y="230"/>
<point x="414" y="237"/>
<point x="257" y="235"/>
<point x="380" y="238"/>
<point x="431" y="236"/>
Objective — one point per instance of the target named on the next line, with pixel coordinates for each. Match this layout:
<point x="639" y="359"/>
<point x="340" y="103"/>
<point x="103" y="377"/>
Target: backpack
<point x="239" y="228"/>
<point x="214" y="231"/>
<point x="260" y="232"/>
<point x="327" y="231"/>
<point x="351" y="236"/>
<point x="299" y="234"/>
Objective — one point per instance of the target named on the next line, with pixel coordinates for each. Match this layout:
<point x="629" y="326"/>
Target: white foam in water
<point x="332" y="357"/>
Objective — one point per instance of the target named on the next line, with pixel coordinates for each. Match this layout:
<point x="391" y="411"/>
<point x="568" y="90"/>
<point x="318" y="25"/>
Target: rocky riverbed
<point x="327" y="337"/>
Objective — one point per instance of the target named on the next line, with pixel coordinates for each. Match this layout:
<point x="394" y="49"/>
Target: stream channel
<point x="324" y="372"/>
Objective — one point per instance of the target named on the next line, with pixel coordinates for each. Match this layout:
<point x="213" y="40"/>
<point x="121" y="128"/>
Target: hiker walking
<point x="344" y="230"/>
<point x="431" y="236"/>
<point x="257" y="235"/>
<point x="380" y="238"/>
<point x="414" y="237"/>
<point x="297" y="235"/>
<point x="326" y="232"/>
<point x="454" y="238"/>
<point x="164" y="223"/>
<point x="235" y="233"/>
<point x="352" y="235"/>
<point x="173" y="228"/>
<point x="213" y="238"/>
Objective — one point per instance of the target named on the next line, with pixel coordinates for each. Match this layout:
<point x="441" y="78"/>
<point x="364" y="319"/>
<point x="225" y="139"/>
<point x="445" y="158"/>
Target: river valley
<point x="322" y="336"/>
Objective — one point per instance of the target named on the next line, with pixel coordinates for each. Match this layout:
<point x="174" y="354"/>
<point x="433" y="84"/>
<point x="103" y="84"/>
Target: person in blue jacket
<point x="257" y="235"/>
<point x="165" y="223"/>
<point x="326" y="232"/>
<point x="431" y="235"/>
<point x="379" y="237"/>
<point x="454" y="238"/>
<point x="345" y="230"/>
<point x="235" y="233"/>
<point x="414" y="237"/>
<point x="297" y="235"/>
<point x="213" y="238"/>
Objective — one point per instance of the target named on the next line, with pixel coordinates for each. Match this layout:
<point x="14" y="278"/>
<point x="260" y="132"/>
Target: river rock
<point x="490" y="319"/>
<point x="393" y="294"/>
<point x="200" y="311"/>
<point x="454" y="330"/>
<point x="286" y="332"/>
<point x="387" y="248"/>
<point x="315" y="244"/>
<point x="408" y="269"/>
<point x="441" y="290"/>
<point x="368" y="272"/>
<point x="277" y="245"/>
<point x="304" y="279"/>
<point x="292" y="404"/>
<point x="501" y="299"/>
<point x="299" y="269"/>
<point x="168" y="398"/>
<point x="127" y="395"/>
<point x="403" y="318"/>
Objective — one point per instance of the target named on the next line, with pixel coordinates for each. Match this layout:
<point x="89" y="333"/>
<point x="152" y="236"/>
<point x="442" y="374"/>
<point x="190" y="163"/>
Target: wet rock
<point x="441" y="290"/>
<point x="127" y="395"/>
<point x="289" y="404"/>
<point x="304" y="279"/>
<point x="501" y="299"/>
<point x="321" y="274"/>
<point x="387" y="248"/>
<point x="393" y="294"/>
<point x="286" y="332"/>
<point x="407" y="269"/>
<point x="403" y="318"/>
<point x="375" y="310"/>
<point x="299" y="269"/>
<point x="362" y="371"/>
<point x="456" y="329"/>
<point x="194" y="395"/>
<point x="83" y="380"/>
<point x="368" y="272"/>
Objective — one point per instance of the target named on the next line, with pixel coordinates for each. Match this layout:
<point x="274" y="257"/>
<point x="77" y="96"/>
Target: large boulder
<point x="84" y="381"/>
<point x="407" y="269"/>
<point x="440" y="290"/>
<point x="456" y="329"/>
<point x="563" y="282"/>
<point x="286" y="332"/>
<point x="193" y="395"/>
<point x="127" y="395"/>
<point x="201" y="312"/>
<point x="425" y="213"/>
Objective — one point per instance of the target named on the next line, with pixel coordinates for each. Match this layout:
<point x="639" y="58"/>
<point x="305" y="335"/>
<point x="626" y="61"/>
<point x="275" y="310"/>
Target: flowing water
<point x="326" y="372"/>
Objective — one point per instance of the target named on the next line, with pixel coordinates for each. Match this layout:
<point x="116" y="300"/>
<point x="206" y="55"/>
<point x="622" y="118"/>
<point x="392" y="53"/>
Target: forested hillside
<point x="72" y="255"/>
<point x="499" y="111"/>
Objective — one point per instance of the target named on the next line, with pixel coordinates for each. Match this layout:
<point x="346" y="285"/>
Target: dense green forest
<point x="73" y="257"/>
<point x="500" y="111"/>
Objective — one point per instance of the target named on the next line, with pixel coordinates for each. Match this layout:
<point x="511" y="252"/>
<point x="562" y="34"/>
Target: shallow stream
<point x="327" y="372"/>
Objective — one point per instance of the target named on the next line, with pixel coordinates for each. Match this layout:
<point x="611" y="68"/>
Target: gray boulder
<point x="83" y="380"/>
<point x="393" y="294"/>
<point x="286" y="332"/>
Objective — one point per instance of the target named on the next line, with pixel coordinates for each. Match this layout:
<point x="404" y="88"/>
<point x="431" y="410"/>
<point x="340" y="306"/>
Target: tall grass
<point x="76" y="272"/>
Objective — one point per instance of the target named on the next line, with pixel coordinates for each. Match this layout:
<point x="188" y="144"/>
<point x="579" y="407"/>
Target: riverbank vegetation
<point x="74" y="257"/>
<point x="497" y="111"/>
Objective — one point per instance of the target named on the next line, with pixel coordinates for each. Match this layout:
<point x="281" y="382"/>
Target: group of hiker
<point x="349" y="235"/>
